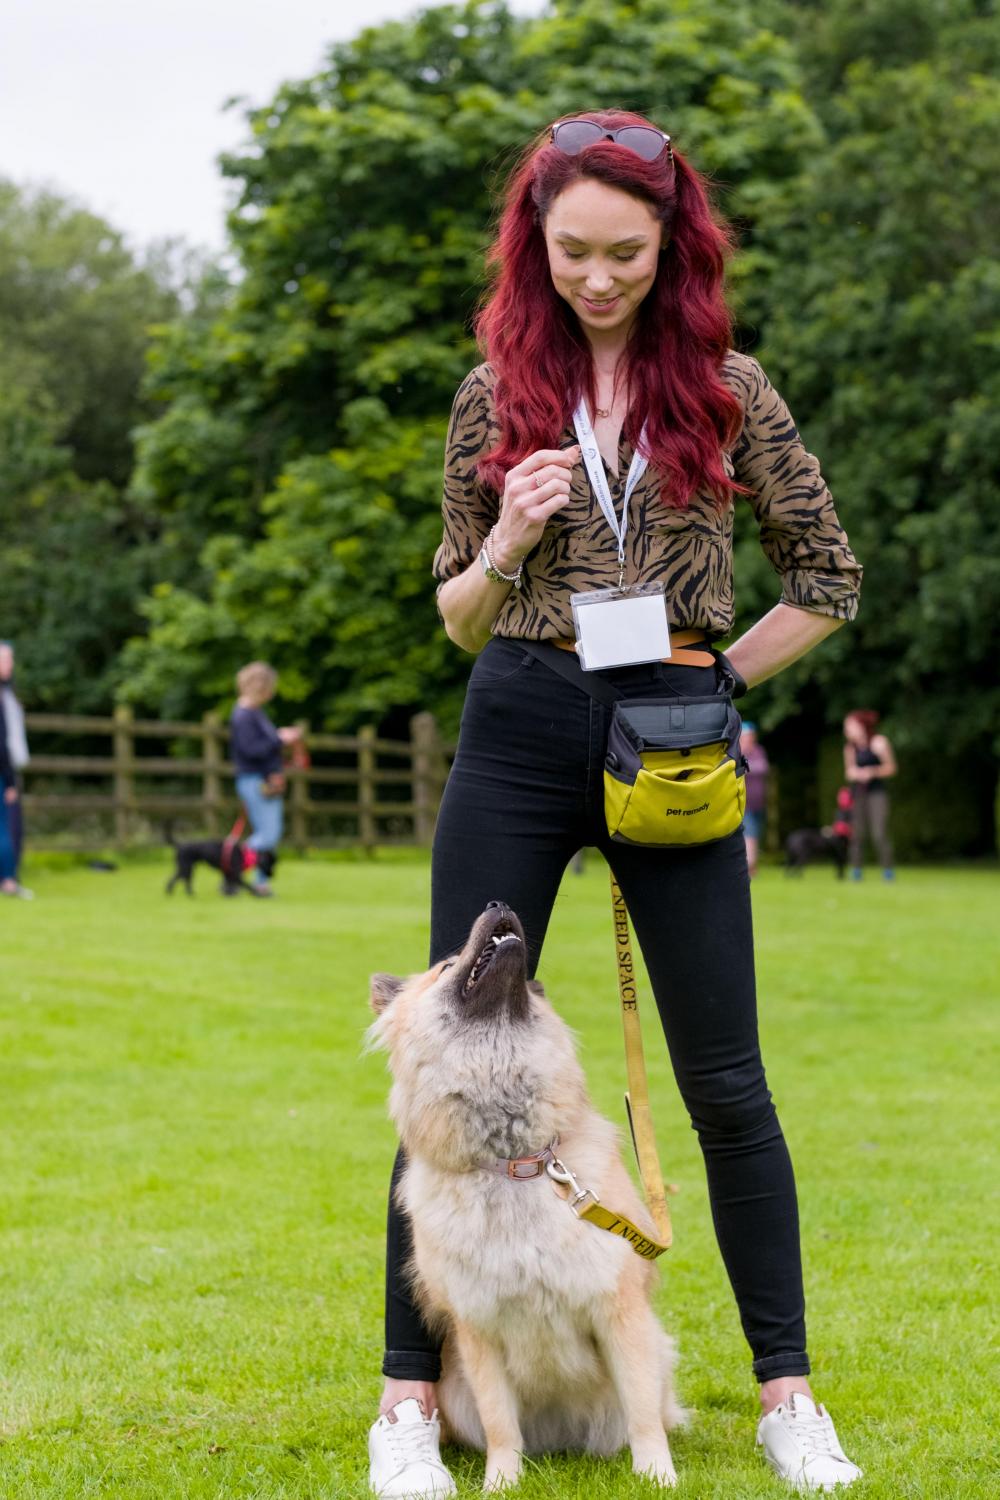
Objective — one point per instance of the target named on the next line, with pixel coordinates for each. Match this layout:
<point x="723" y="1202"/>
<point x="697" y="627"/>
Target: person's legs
<point x="15" y="823"/>
<point x="878" y="819"/>
<point x="691" y="910"/>
<point x="7" y="858"/>
<point x="266" y="814"/>
<point x="859" y="829"/>
<point x="511" y="818"/>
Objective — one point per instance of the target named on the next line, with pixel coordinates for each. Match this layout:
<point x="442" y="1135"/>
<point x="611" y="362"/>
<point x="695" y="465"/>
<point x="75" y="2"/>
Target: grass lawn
<point x="195" y="1155"/>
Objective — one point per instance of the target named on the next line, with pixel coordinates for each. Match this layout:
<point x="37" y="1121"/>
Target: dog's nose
<point x="493" y="905"/>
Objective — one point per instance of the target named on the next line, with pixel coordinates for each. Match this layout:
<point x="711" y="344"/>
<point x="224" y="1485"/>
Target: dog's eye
<point x="449" y="963"/>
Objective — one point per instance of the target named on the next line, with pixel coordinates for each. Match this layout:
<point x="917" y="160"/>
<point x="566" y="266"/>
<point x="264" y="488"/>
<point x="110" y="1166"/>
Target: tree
<point x="884" y="331"/>
<point x="75" y="312"/>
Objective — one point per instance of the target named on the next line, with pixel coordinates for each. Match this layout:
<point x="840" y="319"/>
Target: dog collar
<point x="523" y="1168"/>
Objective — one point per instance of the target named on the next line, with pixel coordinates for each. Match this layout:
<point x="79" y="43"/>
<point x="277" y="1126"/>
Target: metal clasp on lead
<point x="559" y="1172"/>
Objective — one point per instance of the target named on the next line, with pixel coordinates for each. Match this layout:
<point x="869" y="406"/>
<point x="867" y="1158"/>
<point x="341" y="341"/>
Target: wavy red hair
<point x="541" y="356"/>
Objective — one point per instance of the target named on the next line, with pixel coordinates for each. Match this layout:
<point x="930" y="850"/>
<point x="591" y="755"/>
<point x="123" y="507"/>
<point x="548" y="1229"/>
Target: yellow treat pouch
<point x="674" y="773"/>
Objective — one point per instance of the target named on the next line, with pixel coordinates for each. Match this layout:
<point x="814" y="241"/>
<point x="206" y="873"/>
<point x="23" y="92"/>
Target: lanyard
<point x="599" y="480"/>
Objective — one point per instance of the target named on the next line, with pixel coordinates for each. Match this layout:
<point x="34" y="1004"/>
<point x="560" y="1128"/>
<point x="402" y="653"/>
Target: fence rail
<point x="360" y="790"/>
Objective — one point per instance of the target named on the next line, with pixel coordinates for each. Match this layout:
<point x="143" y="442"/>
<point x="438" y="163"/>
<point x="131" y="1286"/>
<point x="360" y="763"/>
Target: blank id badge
<point x="621" y="627"/>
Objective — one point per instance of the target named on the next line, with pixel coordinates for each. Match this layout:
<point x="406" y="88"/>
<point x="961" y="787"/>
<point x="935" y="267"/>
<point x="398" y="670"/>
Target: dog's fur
<point x="807" y="844"/>
<point x="210" y="852"/>
<point x="550" y="1341"/>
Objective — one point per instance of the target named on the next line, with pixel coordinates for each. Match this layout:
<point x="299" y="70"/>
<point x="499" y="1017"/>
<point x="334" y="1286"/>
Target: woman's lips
<point x="600" y="306"/>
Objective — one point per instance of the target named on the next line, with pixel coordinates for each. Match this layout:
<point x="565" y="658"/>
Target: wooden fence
<point x="359" y="791"/>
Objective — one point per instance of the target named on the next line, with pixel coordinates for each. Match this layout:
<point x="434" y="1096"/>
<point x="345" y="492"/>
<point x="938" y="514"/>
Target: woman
<point x="869" y="762"/>
<point x="256" y="751"/>
<point x="608" y="292"/>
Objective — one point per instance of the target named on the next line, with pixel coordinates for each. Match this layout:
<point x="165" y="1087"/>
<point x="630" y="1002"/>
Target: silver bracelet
<point x="491" y="570"/>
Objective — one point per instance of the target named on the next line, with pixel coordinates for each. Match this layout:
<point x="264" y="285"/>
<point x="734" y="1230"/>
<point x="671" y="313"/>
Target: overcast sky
<point x="119" y="103"/>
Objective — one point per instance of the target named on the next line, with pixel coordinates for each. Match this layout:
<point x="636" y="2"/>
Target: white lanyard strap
<point x="599" y="479"/>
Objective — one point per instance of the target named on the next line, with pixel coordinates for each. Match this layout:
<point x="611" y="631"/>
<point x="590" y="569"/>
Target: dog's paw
<point x="503" y="1470"/>
<point x="657" y="1467"/>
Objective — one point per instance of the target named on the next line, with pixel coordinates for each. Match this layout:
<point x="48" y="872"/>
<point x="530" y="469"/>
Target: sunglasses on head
<point x="574" y="136"/>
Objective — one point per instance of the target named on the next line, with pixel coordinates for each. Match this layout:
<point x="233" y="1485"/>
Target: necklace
<point x="600" y="411"/>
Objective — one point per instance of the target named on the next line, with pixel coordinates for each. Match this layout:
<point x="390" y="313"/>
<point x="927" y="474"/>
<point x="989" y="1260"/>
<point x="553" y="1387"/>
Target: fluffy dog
<point x="231" y="860"/>
<point x="549" y="1339"/>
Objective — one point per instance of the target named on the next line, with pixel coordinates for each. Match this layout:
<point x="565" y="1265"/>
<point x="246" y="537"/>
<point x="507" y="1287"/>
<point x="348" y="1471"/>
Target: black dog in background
<point x="230" y="858"/>
<point x="832" y="842"/>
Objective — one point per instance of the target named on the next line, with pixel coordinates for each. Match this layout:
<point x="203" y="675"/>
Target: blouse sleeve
<point x="468" y="508"/>
<point x="799" y="529"/>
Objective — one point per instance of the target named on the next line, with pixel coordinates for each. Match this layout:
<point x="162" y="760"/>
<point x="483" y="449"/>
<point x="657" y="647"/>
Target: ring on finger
<point x="536" y="480"/>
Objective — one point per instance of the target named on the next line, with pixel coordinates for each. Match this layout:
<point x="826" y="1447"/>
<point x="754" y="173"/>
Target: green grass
<point x="195" y="1153"/>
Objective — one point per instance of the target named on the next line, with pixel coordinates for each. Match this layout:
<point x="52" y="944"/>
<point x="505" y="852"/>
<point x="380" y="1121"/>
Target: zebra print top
<point x="690" y="551"/>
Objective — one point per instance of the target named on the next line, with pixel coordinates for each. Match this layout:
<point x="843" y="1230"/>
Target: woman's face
<point x="854" y="731"/>
<point x="604" y="247"/>
<point x="6" y="663"/>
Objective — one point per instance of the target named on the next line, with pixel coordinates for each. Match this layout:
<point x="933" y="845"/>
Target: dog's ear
<point x="384" y="989"/>
<point x="535" y="987"/>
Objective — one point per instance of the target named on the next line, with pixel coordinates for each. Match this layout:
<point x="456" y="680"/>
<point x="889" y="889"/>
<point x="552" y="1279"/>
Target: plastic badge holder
<point x="621" y="627"/>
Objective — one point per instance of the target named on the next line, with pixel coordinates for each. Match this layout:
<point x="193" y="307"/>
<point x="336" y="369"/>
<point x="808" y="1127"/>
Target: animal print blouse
<point x="690" y="551"/>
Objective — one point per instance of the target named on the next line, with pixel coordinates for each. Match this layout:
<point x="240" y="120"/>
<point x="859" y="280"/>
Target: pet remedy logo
<point x="685" y="812"/>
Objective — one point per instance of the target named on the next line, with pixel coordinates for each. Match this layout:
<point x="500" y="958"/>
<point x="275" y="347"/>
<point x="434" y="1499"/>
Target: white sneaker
<point x="800" y="1444"/>
<point x="405" y="1455"/>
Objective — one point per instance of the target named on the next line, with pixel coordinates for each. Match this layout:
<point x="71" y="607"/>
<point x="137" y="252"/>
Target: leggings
<point x="870" y="814"/>
<point x="525" y="793"/>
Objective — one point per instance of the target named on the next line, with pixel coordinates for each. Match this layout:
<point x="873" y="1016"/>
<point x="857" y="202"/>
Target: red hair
<point x="541" y="357"/>
<point x="868" y="718"/>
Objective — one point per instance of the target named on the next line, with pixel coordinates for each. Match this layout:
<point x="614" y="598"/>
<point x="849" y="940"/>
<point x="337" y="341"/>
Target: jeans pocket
<point x="499" y="661"/>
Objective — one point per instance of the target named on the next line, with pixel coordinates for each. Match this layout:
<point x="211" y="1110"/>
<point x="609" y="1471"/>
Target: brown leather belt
<point x="679" y="641"/>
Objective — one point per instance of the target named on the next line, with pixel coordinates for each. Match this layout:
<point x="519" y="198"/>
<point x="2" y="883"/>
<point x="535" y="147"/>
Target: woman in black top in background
<point x="869" y="762"/>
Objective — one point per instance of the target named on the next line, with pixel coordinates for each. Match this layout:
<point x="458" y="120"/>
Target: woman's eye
<point x="631" y="256"/>
<point x="573" y="254"/>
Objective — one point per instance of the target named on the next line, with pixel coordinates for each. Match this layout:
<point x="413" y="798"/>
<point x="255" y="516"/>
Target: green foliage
<point x="298" y="460"/>
<point x="75" y="309"/>
<point x="883" y="328"/>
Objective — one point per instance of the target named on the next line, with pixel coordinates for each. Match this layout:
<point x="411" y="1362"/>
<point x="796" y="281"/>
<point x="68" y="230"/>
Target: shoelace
<point x="816" y="1435"/>
<point x="413" y="1442"/>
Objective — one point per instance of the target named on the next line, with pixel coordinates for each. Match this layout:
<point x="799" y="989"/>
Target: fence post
<point x="367" y="829"/>
<point x="299" y="797"/>
<point x="426" y="789"/>
<point x="124" y="776"/>
<point x="211" y="786"/>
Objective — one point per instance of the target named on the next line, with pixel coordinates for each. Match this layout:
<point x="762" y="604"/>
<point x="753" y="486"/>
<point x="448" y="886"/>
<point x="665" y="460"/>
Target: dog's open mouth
<point x="503" y="937"/>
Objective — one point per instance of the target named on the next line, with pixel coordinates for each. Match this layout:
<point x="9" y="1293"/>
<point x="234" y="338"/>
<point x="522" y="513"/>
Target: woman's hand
<point x="290" y="734"/>
<point x="534" y="490"/>
<point x="10" y="796"/>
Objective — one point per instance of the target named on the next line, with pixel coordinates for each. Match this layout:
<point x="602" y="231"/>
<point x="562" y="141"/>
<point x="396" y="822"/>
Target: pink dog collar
<point x="523" y="1168"/>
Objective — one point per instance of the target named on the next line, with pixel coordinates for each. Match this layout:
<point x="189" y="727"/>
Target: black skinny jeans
<point x="526" y="793"/>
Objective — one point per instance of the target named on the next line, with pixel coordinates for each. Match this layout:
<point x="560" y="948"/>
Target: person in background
<point x="869" y="762"/>
<point x="758" y="768"/>
<point x="256" y="751"/>
<point x="13" y="759"/>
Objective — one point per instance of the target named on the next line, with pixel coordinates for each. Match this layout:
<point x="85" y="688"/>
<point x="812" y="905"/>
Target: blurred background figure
<point x="13" y="759"/>
<point x="868" y="763"/>
<point x="755" y="817"/>
<point x="256" y="748"/>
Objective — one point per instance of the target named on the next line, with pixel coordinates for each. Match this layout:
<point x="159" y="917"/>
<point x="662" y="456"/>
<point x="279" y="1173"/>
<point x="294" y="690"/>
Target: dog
<point x="550" y="1342"/>
<point x="807" y="844"/>
<point x="232" y="860"/>
<point x="832" y="842"/>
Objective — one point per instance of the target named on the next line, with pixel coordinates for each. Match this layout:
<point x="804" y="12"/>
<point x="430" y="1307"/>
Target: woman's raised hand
<point x="533" y="491"/>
